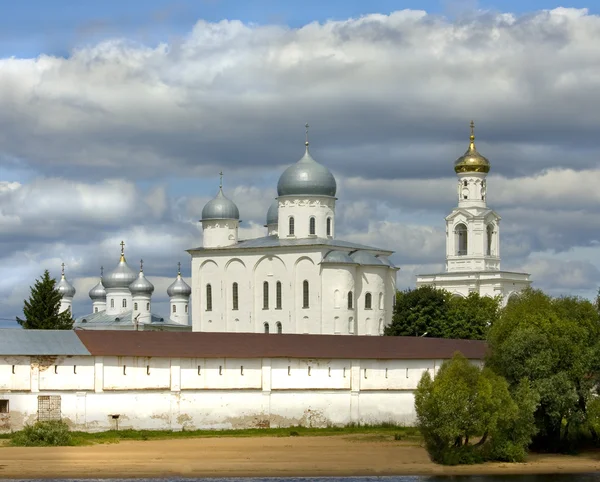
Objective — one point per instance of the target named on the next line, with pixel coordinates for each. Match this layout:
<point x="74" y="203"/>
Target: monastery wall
<point x="102" y="393"/>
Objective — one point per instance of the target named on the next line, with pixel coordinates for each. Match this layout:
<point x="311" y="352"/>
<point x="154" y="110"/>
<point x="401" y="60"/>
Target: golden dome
<point x="472" y="161"/>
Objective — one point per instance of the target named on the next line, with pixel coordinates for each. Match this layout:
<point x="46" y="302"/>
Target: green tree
<point x="437" y="313"/>
<point x="467" y="414"/>
<point x="554" y="343"/>
<point x="42" y="309"/>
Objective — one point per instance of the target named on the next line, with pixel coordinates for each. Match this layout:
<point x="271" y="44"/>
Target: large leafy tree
<point x="437" y="313"/>
<point x="554" y="343"/>
<point x="42" y="309"/>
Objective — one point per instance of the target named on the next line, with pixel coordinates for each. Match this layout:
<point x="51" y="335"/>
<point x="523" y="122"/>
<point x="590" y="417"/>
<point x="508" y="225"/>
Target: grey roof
<point x="338" y="257"/>
<point x="16" y="341"/>
<point x="98" y="292"/>
<point x="274" y="241"/>
<point x="385" y="260"/>
<point x="273" y="213"/>
<point x="306" y="177"/>
<point x="179" y="288"/>
<point x="65" y="288"/>
<point x="221" y="207"/>
<point x="366" y="259"/>
<point x="124" y="318"/>
<point x="121" y="277"/>
<point x="141" y="285"/>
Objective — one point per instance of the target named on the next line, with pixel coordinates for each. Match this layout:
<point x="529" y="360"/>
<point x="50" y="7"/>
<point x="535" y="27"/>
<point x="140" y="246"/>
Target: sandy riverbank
<point x="261" y="456"/>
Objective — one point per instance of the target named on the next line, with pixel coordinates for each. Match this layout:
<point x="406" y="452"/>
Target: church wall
<point x="171" y="395"/>
<point x="114" y="300"/>
<point x="336" y="282"/>
<point x="370" y="279"/>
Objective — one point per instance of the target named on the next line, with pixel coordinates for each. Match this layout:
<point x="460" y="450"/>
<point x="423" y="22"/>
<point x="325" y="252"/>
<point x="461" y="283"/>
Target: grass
<point x="383" y="431"/>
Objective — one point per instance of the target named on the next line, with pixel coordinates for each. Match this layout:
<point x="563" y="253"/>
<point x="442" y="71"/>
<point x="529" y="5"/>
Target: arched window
<point x="278" y="295"/>
<point x="186" y="308"/>
<point x="328" y="226"/>
<point x="96" y="310"/>
<point x="124" y="303"/>
<point x="266" y="328"/>
<point x="234" y="294"/>
<point x="291" y="225"/>
<point x="490" y="234"/>
<point x="265" y="295"/>
<point x="350" y="300"/>
<point x="337" y="297"/>
<point x="350" y="325"/>
<point x="147" y="306"/>
<point x="461" y="239"/>
<point x="381" y="301"/>
<point x="174" y="308"/>
<point x="312" y="226"/>
<point x="279" y="328"/>
<point x="368" y="301"/>
<point x="135" y="306"/>
<point x="112" y="302"/>
<point x="305" y="295"/>
<point x="208" y="298"/>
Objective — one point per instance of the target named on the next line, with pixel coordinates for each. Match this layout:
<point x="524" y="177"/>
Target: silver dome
<point x="307" y="177"/>
<point x="121" y="277"/>
<point x="338" y="257"/>
<point x="365" y="258"/>
<point x="273" y="213"/>
<point x="141" y="286"/>
<point x="66" y="289"/>
<point x="179" y="288"/>
<point x="220" y="207"/>
<point x="98" y="293"/>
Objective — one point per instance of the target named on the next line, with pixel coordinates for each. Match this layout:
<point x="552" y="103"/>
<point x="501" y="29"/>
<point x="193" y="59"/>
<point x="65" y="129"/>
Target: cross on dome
<point x="62" y="272"/>
<point x="101" y="271"/>
<point x="141" y="265"/>
<point x="179" y="268"/>
<point x="221" y="180"/>
<point x="122" y="250"/>
<point x="306" y="126"/>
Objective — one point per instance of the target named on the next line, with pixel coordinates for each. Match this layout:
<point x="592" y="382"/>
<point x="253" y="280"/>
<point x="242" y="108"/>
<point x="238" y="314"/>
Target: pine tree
<point x="42" y="310"/>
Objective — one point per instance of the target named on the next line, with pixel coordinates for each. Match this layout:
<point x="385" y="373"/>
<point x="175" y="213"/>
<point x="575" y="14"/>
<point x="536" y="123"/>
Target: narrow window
<point x="278" y="295"/>
<point x="96" y="309"/>
<point x="350" y="300"/>
<point x="279" y="328"/>
<point x="135" y="306"/>
<point x="365" y="373"/>
<point x="186" y="308"/>
<point x="305" y="297"/>
<point x="147" y="369"/>
<point x="199" y="371"/>
<point x="350" y="325"/>
<point x="490" y="234"/>
<point x="328" y="226"/>
<point x="381" y="301"/>
<point x="220" y="369"/>
<point x="407" y="373"/>
<point x="124" y="370"/>
<point x="344" y="372"/>
<point x="386" y="373"/>
<point x="266" y="295"/>
<point x="242" y="370"/>
<point x="55" y="368"/>
<point x="208" y="298"/>
<point x="291" y="225"/>
<point x="75" y="369"/>
<point x="13" y="369"/>
<point x="147" y="306"/>
<point x="465" y="183"/>
<point x="329" y="371"/>
<point x="174" y="308"/>
<point x="124" y="303"/>
<point x="309" y="371"/>
<point x="289" y="370"/>
<point x="234" y="293"/>
<point x="461" y="239"/>
<point x="311" y="226"/>
<point x="112" y="302"/>
<point x="368" y="301"/>
<point x="266" y="328"/>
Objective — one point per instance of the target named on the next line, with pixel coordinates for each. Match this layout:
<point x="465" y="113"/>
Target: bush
<point x="43" y="434"/>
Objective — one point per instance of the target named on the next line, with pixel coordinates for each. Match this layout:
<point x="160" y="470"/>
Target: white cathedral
<point x="299" y="278"/>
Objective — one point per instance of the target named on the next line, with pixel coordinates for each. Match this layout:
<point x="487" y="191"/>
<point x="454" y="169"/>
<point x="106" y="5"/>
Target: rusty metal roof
<point x="258" y="345"/>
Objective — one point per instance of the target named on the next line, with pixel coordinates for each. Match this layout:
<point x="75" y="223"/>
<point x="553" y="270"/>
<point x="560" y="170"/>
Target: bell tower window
<point x="291" y="226"/>
<point x="312" y="226"/>
<point x="461" y="239"/>
<point x="490" y="234"/>
<point x="328" y="226"/>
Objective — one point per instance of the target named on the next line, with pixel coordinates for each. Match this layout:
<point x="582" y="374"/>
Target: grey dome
<point x="273" y="213"/>
<point x="338" y="257"/>
<point x="365" y="258"/>
<point x="385" y="260"/>
<point x="98" y="293"/>
<point x="220" y="207"/>
<point x="66" y="289"/>
<point x="141" y="286"/>
<point x="121" y="277"/>
<point x="179" y="288"/>
<point x="306" y="177"/>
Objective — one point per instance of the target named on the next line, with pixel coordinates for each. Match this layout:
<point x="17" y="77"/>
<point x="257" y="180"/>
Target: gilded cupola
<point x="472" y="161"/>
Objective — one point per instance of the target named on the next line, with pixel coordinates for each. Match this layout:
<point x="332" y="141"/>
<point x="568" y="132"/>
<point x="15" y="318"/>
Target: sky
<point x="116" y="118"/>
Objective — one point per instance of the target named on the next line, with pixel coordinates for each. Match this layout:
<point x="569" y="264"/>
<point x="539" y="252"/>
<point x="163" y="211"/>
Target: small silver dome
<point x="179" y="288"/>
<point x="121" y="277"/>
<point x="141" y="286"/>
<point x="307" y="177"/>
<point x="66" y="289"/>
<point x="273" y="213"/>
<point x="385" y="260"/>
<point x="220" y="207"/>
<point x="365" y="258"/>
<point x="338" y="257"/>
<point x="98" y="293"/>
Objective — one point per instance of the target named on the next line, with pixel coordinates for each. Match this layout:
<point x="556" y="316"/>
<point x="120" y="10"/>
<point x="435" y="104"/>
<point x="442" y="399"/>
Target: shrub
<point x="43" y="434"/>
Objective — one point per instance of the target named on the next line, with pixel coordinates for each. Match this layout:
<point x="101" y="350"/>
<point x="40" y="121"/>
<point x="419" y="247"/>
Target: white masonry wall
<point x="102" y="393"/>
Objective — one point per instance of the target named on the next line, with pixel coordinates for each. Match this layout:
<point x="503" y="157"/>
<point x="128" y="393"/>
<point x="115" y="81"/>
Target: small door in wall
<point x="49" y="408"/>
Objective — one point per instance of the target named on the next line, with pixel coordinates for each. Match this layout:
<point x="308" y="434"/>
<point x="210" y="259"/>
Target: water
<point x="406" y="478"/>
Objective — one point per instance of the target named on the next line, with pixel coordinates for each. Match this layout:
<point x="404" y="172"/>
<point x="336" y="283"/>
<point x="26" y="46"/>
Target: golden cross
<point x="122" y="248"/>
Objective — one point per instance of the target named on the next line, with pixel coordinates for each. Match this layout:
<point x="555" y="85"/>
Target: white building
<point x="101" y="380"/>
<point x="473" y="238"/>
<point x="298" y="278"/>
<point x="123" y="301"/>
